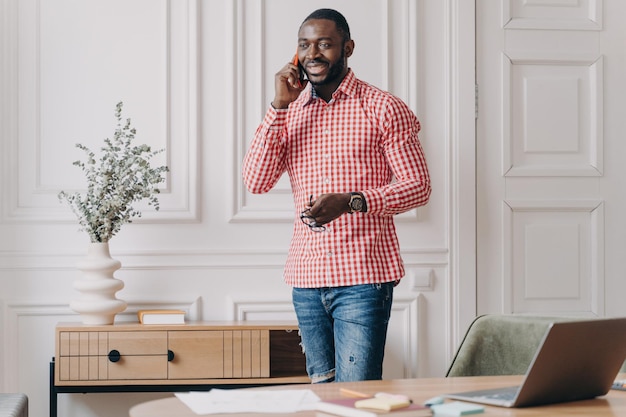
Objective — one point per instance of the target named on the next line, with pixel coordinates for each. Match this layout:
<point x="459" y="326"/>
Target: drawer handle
<point x="114" y="356"/>
<point x="170" y="355"/>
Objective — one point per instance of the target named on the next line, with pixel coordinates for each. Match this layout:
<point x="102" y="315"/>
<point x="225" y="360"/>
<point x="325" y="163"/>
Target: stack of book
<point x="390" y="406"/>
<point x="161" y="316"/>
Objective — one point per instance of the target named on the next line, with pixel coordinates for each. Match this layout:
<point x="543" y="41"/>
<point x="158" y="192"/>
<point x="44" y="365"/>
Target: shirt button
<point x="326" y="180"/>
<point x="326" y="131"/>
<point x="329" y="254"/>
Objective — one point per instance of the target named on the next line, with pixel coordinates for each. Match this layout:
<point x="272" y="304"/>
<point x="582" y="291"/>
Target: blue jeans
<point x="344" y="330"/>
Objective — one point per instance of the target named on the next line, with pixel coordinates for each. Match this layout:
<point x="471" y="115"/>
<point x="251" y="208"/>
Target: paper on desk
<point x="240" y="401"/>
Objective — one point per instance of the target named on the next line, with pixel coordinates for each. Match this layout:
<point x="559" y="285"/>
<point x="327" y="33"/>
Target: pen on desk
<point x="353" y="394"/>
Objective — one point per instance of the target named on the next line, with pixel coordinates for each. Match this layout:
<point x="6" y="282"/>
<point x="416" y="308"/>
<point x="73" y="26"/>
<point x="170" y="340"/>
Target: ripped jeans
<point x="344" y="330"/>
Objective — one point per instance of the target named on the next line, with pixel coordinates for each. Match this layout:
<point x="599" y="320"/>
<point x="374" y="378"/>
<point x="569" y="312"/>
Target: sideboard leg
<point x="53" y="392"/>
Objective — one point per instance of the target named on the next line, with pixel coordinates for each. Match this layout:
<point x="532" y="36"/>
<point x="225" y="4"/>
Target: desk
<point x="613" y="404"/>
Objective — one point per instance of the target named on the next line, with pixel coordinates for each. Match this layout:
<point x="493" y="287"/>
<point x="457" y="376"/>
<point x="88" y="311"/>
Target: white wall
<point x="196" y="78"/>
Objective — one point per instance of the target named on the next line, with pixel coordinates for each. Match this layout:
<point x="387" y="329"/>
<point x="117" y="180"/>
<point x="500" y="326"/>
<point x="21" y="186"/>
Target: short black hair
<point x="335" y="16"/>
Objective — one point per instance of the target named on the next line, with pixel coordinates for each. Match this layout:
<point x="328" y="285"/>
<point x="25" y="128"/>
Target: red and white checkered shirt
<point x="364" y="140"/>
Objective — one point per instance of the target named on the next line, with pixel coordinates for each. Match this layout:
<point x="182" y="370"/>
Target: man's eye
<point x="324" y="45"/>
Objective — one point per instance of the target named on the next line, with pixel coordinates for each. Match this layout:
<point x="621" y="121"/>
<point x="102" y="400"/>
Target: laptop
<point x="576" y="360"/>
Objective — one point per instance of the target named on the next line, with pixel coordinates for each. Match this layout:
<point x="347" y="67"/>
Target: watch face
<point x="356" y="203"/>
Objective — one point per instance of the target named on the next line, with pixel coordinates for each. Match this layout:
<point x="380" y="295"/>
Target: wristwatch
<point x="357" y="203"/>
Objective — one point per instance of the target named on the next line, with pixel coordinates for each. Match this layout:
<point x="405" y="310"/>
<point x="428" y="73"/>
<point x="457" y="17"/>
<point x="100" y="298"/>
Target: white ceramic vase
<point x="97" y="286"/>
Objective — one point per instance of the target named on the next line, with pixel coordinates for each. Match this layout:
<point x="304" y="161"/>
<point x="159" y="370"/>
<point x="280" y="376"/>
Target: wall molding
<point x="8" y="100"/>
<point x="30" y="201"/>
<point x="177" y="259"/>
<point x="587" y="218"/>
<point x="13" y="312"/>
<point x="587" y="161"/>
<point x="460" y="179"/>
<point x="589" y="16"/>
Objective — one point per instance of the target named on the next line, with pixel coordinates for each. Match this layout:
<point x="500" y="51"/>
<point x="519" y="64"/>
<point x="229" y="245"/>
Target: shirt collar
<point x="348" y="87"/>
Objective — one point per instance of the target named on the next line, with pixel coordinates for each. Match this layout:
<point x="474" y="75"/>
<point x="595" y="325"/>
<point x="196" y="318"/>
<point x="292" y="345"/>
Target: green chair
<point x="500" y="344"/>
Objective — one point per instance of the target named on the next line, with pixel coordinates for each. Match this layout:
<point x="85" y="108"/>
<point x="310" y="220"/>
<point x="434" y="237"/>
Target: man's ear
<point x="348" y="48"/>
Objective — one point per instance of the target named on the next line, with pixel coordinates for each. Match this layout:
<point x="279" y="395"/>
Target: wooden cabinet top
<point x="191" y="325"/>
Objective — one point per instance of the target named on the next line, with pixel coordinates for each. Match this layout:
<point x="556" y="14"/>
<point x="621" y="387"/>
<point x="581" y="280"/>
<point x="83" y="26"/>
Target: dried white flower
<point x="123" y="177"/>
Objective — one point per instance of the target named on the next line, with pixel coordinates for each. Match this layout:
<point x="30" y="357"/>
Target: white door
<point x="551" y="234"/>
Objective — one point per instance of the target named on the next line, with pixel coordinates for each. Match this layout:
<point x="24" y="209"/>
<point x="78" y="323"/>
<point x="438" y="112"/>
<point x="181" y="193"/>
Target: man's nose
<point x="312" y="52"/>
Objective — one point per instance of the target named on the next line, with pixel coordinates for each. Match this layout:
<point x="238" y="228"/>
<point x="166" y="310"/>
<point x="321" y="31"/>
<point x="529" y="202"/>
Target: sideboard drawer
<point x="138" y="367"/>
<point x="196" y="354"/>
<point x="138" y="343"/>
<point x="137" y="355"/>
<point x="219" y="354"/>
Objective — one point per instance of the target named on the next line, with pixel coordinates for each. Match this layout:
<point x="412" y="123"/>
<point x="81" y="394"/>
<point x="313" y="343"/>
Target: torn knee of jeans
<point x="325" y="377"/>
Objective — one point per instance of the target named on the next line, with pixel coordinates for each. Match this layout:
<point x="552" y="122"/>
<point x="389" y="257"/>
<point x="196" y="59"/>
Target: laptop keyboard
<point x="505" y="394"/>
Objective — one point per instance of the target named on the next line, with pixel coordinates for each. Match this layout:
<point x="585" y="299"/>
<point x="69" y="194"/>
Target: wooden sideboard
<point x="132" y="357"/>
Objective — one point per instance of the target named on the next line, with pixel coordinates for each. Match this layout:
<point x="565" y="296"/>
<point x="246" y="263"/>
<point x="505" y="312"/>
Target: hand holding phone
<point x="287" y="88"/>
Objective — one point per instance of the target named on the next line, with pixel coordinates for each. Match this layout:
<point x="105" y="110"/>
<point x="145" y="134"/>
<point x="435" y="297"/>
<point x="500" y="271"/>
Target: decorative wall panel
<point x="539" y="141"/>
<point x="554" y="250"/>
<point x="552" y="14"/>
<point x="99" y="62"/>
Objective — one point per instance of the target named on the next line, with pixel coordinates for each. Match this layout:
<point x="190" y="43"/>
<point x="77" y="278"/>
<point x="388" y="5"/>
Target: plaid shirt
<point x="364" y="140"/>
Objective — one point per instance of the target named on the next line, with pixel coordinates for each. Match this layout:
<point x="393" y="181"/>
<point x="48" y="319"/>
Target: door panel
<point x="544" y="72"/>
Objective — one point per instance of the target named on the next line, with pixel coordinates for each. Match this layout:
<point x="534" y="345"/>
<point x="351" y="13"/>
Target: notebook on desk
<point x="575" y="360"/>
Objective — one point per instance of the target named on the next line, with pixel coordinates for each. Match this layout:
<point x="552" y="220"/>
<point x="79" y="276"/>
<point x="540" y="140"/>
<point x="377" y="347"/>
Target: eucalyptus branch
<point x="121" y="177"/>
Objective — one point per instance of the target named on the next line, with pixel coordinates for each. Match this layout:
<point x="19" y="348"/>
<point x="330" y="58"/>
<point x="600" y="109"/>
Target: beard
<point x="335" y="71"/>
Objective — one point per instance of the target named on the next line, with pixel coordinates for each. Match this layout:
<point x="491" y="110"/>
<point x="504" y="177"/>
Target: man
<point x="354" y="160"/>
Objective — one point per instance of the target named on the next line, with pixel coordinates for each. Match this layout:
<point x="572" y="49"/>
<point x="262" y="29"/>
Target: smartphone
<point x="296" y="62"/>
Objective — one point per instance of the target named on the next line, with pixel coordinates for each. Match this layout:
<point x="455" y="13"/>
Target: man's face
<point x="323" y="53"/>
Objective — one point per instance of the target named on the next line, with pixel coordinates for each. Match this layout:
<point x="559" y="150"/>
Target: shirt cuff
<point x="275" y="118"/>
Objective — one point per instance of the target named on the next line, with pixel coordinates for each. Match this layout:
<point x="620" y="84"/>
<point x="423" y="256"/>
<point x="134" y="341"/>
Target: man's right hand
<point x="327" y="207"/>
<point x="286" y="86"/>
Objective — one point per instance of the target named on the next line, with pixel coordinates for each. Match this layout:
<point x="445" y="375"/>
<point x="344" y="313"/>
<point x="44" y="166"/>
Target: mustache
<point x="317" y="61"/>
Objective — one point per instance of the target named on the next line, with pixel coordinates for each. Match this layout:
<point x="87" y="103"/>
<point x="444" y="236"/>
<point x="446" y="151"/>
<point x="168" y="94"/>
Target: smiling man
<point x="354" y="160"/>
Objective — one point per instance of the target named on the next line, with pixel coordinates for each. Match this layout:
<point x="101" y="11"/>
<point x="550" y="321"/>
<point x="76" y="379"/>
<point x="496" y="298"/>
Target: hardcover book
<point x="161" y="316"/>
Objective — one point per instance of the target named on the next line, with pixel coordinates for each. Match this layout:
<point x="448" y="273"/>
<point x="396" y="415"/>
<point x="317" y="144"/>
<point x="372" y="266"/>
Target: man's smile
<point x="316" y="67"/>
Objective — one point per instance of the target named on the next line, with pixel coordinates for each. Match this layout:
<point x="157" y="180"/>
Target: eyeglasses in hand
<point x="310" y="221"/>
